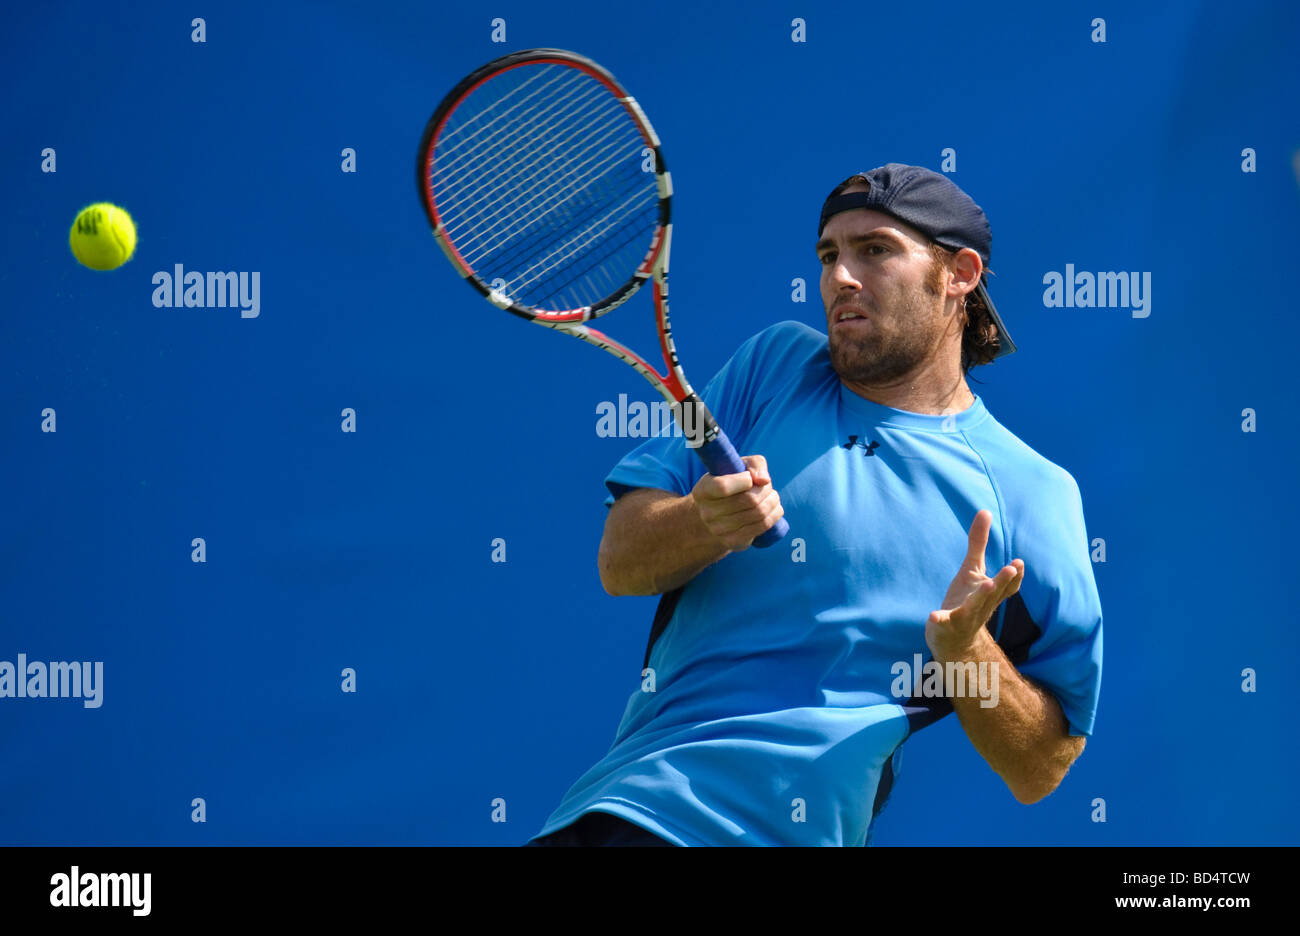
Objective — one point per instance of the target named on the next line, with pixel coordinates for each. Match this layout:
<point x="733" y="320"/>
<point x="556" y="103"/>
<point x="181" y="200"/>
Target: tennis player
<point x="780" y="685"/>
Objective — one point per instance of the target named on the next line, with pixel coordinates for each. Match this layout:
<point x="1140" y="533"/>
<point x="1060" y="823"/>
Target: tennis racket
<point x="547" y="190"/>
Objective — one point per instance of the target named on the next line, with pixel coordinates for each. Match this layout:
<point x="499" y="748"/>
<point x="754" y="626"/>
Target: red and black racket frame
<point x="701" y="431"/>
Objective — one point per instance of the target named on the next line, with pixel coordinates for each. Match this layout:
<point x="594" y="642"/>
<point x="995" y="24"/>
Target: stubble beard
<point x="882" y="357"/>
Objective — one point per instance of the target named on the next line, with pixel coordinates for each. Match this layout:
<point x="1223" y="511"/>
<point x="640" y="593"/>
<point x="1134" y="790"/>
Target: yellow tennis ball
<point x="102" y="237"/>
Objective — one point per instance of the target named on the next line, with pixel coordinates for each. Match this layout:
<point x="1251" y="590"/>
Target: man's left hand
<point x="972" y="597"/>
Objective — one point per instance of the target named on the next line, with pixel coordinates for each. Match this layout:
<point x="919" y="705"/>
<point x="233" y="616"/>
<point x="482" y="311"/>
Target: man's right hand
<point x="738" y="508"/>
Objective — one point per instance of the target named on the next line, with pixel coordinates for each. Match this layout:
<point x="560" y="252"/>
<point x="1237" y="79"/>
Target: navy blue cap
<point x="933" y="204"/>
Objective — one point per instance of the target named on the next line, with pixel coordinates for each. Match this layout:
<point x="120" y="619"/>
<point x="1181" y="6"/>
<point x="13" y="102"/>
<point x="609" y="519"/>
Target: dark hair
<point x="979" y="339"/>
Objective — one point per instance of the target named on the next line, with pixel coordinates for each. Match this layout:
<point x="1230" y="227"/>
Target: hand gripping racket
<point x="548" y="192"/>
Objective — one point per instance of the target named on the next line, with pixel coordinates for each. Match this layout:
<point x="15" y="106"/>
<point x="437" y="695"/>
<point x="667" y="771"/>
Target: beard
<point x="895" y="345"/>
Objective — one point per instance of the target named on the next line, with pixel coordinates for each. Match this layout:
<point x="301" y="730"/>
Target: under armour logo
<point x="870" y="449"/>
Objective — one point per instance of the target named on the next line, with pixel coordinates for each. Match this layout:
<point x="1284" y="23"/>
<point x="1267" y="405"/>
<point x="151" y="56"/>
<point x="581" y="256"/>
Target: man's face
<point x="884" y="296"/>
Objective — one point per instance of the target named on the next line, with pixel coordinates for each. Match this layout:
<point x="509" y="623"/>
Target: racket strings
<point x="539" y="185"/>
<point x="520" y="154"/>
<point x="565" y="182"/>
<point x="566" y="193"/>
<point x="486" y="162"/>
<point x="594" y="252"/>
<point x="497" y="226"/>
<point x="598" y="231"/>
<point x="564" y="185"/>
<point x="569" y="262"/>
<point x="522" y="132"/>
<point x="585" y="219"/>
<point x="490" y="113"/>
<point x="595" y="269"/>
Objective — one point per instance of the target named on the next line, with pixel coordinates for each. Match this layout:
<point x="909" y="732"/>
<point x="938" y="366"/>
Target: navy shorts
<point x="600" y="829"/>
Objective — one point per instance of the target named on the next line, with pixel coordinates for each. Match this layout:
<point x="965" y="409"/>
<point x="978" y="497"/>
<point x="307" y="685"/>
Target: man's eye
<point x="871" y="247"/>
<point x="827" y="258"/>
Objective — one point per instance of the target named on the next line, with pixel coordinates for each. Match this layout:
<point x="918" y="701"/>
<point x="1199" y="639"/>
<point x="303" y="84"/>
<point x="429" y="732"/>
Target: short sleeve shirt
<point x="787" y="678"/>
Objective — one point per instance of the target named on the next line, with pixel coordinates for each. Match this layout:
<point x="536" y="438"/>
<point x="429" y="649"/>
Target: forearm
<point x="657" y="543"/>
<point x="1024" y="737"/>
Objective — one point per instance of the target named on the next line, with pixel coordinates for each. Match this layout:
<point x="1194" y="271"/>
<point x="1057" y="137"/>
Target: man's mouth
<point x="848" y="313"/>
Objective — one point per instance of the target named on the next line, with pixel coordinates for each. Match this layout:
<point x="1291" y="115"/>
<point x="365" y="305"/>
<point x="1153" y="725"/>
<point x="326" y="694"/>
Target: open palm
<point x="972" y="597"/>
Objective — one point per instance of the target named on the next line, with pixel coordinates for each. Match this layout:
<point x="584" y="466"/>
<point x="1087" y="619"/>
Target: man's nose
<point x="842" y="278"/>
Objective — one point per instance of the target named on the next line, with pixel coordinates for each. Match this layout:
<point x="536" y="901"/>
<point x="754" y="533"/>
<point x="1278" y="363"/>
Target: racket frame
<point x="671" y="385"/>
<point x="701" y="431"/>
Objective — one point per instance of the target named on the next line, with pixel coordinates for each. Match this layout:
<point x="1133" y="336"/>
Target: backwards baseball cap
<point x="934" y="205"/>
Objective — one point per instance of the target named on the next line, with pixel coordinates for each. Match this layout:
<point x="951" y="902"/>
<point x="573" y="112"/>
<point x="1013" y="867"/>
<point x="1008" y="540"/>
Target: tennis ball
<point x="102" y="237"/>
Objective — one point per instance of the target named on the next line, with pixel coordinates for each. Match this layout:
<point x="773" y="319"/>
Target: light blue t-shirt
<point x="776" y="680"/>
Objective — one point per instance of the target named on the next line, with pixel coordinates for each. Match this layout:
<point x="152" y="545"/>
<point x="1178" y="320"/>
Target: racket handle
<point x="720" y="457"/>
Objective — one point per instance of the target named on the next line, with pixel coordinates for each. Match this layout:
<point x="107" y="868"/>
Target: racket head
<point x="546" y="186"/>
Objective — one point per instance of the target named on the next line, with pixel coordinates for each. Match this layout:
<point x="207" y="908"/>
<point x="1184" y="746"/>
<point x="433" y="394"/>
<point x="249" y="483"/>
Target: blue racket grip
<point x="720" y="458"/>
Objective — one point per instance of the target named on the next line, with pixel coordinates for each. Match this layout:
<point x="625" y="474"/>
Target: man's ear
<point x="967" y="267"/>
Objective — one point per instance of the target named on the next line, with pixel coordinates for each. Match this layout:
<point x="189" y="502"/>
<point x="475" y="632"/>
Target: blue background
<point x="372" y="550"/>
